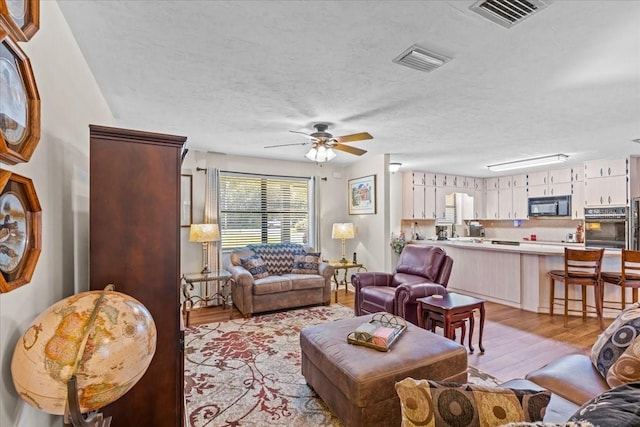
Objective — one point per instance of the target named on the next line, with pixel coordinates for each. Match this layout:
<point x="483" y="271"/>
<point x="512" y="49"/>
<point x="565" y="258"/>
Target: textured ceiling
<point x="237" y="76"/>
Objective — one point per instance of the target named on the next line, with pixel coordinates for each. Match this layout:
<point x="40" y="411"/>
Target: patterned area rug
<point x="247" y="372"/>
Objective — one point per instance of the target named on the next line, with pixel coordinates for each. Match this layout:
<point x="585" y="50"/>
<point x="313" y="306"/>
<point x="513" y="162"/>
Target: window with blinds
<point x="263" y="209"/>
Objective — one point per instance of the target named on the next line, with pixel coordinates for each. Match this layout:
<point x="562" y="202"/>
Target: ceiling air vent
<point x="508" y="12"/>
<point x="420" y="59"/>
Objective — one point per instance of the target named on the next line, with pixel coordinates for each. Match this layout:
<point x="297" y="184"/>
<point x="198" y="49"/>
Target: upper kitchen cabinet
<point x="606" y="183"/>
<point x="478" y="193"/>
<point x="550" y="183"/>
<point x="605" y="168"/>
<point x="577" y="193"/>
<point x="418" y="195"/>
<point x="520" y="202"/>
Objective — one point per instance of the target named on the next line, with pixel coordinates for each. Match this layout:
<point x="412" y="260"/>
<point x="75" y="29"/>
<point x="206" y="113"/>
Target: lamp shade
<point x="343" y="231"/>
<point x="204" y="233"/>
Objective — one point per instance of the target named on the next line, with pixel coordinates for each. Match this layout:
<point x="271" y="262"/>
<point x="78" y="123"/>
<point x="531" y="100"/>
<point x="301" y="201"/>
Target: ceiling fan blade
<point x="349" y="149"/>
<point x="304" y="133"/>
<point x="286" y="145"/>
<point x="353" y="137"/>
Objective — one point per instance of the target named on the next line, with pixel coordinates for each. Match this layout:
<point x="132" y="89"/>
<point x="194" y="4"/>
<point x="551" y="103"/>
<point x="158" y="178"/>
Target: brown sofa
<point x="283" y="287"/>
<point x="421" y="271"/>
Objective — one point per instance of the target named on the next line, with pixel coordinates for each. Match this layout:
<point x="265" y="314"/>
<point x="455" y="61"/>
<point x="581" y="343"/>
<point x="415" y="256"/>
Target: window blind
<point x="263" y="209"/>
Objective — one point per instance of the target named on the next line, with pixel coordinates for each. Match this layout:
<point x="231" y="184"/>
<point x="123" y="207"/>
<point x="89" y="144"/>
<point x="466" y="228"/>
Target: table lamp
<point x="343" y="231"/>
<point x="204" y="233"/>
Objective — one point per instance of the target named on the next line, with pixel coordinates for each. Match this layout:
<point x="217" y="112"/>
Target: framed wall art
<point x="19" y="103"/>
<point x="362" y="195"/>
<point x="21" y="18"/>
<point x="20" y="230"/>
<point x="186" y="196"/>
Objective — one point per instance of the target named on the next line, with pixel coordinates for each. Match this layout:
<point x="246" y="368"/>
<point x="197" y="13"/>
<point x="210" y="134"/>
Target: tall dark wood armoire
<point x="135" y="244"/>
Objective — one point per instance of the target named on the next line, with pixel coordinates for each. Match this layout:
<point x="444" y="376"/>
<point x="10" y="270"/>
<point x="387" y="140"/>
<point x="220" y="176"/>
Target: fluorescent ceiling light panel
<point x="525" y="163"/>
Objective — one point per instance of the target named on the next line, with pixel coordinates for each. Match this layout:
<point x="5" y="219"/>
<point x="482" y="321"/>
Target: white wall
<point x="70" y="101"/>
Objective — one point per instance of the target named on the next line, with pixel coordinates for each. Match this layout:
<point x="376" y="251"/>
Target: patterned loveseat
<point x="277" y="276"/>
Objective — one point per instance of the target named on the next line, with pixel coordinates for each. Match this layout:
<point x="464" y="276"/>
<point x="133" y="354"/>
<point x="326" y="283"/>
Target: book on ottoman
<point x="379" y="333"/>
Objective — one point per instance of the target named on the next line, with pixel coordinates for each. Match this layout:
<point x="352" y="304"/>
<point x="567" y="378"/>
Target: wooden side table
<point x="337" y="266"/>
<point x="451" y="310"/>
<point x="221" y="278"/>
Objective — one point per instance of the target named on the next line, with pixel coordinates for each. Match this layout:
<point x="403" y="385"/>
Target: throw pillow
<point x="615" y="340"/>
<point x="627" y="368"/>
<point x="429" y="403"/>
<point x="256" y="266"/>
<point x="306" y="264"/>
<point x="616" y="407"/>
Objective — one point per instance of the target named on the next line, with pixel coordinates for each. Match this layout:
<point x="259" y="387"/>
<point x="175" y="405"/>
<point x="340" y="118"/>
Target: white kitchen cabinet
<point x="479" y="196"/>
<point x="407" y="195"/>
<point x="577" y="200"/>
<point x="520" y="202"/>
<point x="550" y="183"/>
<point x="440" y="201"/>
<point x="418" y="195"/>
<point x="606" y="191"/>
<point x="605" y="168"/>
<point x="606" y="182"/>
<point x="577" y="193"/>
<point x="492" y="205"/>
<point x="538" y="178"/>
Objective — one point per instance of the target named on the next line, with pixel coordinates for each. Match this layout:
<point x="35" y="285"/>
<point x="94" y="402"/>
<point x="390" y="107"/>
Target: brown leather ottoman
<point x="357" y="382"/>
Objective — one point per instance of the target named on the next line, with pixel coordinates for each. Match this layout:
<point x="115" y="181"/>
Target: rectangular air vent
<point x="508" y="12"/>
<point x="420" y="59"/>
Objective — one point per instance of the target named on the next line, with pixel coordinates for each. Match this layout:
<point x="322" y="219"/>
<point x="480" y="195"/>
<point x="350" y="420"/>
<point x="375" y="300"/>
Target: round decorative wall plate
<point x="19" y="103"/>
<point x="20" y="230"/>
<point x="21" y="18"/>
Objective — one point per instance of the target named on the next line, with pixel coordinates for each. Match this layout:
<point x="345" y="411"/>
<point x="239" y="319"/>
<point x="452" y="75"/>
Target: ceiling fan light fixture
<point x="320" y="154"/>
<point x="525" y="163"/>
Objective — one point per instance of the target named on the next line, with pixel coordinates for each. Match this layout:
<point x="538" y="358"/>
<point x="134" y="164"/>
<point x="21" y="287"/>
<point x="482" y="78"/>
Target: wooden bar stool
<point x="627" y="277"/>
<point x="582" y="268"/>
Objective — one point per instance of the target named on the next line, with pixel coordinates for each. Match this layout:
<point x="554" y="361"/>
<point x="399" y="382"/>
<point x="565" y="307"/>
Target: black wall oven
<point x="606" y="227"/>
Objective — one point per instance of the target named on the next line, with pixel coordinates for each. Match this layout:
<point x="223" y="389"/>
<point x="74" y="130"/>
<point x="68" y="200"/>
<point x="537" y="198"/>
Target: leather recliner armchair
<point x="421" y="271"/>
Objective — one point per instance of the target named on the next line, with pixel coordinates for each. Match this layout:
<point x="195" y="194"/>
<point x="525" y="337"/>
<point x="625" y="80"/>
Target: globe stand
<point x="94" y="419"/>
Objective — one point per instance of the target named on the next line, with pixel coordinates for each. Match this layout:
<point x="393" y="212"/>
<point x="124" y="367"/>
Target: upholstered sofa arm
<point x="325" y="270"/>
<point x="364" y="279"/>
<point x="240" y="275"/>
<point x="406" y="305"/>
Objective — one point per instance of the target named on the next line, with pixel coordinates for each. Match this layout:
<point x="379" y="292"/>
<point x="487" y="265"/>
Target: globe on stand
<point x="103" y="341"/>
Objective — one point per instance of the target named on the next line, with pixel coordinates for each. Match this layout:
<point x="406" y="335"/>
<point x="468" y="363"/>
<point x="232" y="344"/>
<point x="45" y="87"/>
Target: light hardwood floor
<point x="516" y="341"/>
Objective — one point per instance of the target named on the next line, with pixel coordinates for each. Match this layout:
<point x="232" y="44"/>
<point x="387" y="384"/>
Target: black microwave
<point x="550" y="206"/>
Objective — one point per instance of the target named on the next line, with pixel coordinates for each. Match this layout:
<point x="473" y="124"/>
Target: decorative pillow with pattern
<point x="429" y="403"/>
<point x="614" y="341"/>
<point x="627" y="368"/>
<point x="306" y="264"/>
<point x="256" y="266"/>
<point x="617" y="407"/>
<point x="278" y="256"/>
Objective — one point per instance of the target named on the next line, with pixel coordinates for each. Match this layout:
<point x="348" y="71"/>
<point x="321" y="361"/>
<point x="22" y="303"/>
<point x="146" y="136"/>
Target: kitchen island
<point x="515" y="274"/>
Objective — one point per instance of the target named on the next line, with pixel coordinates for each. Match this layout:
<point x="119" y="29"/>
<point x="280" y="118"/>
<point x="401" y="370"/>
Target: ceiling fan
<point x="323" y="143"/>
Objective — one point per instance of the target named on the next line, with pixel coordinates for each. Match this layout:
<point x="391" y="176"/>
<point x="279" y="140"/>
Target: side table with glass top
<point x="220" y="294"/>
<point x="337" y="266"/>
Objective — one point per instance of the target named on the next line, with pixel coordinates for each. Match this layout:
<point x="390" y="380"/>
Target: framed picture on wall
<point x="20" y="230"/>
<point x="19" y="103"/>
<point x="21" y="17"/>
<point x="362" y="195"/>
<point x="186" y="196"/>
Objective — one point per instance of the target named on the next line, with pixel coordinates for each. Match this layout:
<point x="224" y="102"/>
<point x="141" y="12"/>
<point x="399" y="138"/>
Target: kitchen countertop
<point x="524" y="247"/>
